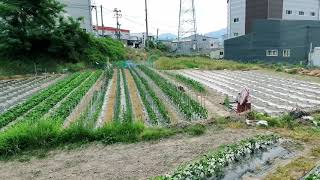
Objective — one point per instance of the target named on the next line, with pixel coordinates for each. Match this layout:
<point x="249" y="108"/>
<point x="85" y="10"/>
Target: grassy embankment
<point x="166" y="63"/>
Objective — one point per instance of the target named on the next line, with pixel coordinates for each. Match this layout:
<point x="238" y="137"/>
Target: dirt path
<point x="111" y="99"/>
<point x="138" y="109"/>
<point x="132" y="161"/>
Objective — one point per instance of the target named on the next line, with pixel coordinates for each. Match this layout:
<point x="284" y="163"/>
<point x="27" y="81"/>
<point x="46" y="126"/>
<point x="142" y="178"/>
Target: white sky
<point x="163" y="14"/>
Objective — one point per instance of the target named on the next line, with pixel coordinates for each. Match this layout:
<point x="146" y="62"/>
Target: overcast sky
<point x="164" y="14"/>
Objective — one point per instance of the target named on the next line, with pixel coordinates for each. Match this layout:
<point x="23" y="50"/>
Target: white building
<point x="242" y="13"/>
<point x="187" y="45"/>
<point x="77" y="9"/>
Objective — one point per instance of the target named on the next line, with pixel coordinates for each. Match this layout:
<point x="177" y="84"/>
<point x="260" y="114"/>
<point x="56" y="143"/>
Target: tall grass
<point x="166" y="63"/>
<point x="47" y="133"/>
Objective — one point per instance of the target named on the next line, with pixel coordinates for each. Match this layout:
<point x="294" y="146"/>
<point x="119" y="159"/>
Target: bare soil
<point x="135" y="99"/>
<point x="111" y="98"/>
<point x="122" y="161"/>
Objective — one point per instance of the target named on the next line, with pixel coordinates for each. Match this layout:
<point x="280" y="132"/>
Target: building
<point x="112" y="32"/>
<point x="77" y="9"/>
<point x="186" y="45"/>
<point x="276" y="41"/>
<point x="141" y="37"/>
<point x="242" y="13"/>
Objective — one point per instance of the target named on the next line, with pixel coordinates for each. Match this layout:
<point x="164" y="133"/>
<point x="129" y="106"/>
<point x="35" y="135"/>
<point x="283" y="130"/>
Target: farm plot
<point x="62" y="97"/>
<point x="122" y="103"/>
<point x="191" y="109"/>
<point x="13" y="92"/>
<point x="157" y="110"/>
<point x="269" y="93"/>
<point x="251" y="158"/>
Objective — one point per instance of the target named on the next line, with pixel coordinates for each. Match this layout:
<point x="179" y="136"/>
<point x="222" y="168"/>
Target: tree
<point x="27" y="25"/>
<point x="33" y="28"/>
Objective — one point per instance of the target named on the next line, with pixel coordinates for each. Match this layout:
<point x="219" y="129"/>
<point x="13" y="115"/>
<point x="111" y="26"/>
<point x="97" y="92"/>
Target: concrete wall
<point x="79" y="8"/>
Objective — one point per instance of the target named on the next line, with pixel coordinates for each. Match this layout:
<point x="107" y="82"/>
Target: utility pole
<point x="147" y="28"/>
<point x="157" y="34"/>
<point x="118" y="15"/>
<point x="97" y="21"/>
<point x="94" y="7"/>
<point x="102" y="20"/>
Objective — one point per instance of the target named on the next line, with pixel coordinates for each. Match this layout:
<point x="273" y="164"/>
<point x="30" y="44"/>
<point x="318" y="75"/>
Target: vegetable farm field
<point x="91" y="100"/>
<point x="129" y="103"/>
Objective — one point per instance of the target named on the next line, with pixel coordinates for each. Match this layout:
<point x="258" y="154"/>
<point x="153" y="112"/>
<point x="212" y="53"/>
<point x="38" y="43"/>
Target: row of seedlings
<point x="145" y="98"/>
<point x="43" y="108"/>
<point x="39" y="104"/>
<point x="158" y="103"/>
<point x="67" y="106"/>
<point x="128" y="114"/>
<point x="117" y="105"/>
<point x="94" y="109"/>
<point x="189" y="107"/>
<point x="195" y="85"/>
<point x="90" y="116"/>
<point x="213" y="164"/>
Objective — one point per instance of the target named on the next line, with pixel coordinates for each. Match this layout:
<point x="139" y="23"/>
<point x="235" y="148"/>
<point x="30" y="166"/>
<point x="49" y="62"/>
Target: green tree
<point x="27" y="25"/>
<point x="34" y="28"/>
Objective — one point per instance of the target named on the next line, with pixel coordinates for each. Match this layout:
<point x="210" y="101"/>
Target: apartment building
<point x="243" y="13"/>
<point x="77" y="9"/>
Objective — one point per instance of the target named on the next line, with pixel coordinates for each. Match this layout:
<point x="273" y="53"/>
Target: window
<point x="301" y="13"/>
<point x="236" y="20"/>
<point x="286" y="53"/>
<point x="235" y="34"/>
<point x="288" y="11"/>
<point x="271" y="52"/>
<point x="313" y="14"/>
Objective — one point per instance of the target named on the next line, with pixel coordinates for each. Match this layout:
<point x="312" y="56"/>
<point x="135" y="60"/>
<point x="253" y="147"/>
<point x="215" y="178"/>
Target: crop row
<point x="144" y="97"/>
<point x="117" y="105"/>
<point x="75" y="97"/>
<point x="36" y="113"/>
<point x="21" y="109"/>
<point x="98" y="99"/>
<point x="128" y="115"/>
<point x="189" y="107"/>
<point x="189" y="82"/>
<point x="159" y="104"/>
<point x="213" y="164"/>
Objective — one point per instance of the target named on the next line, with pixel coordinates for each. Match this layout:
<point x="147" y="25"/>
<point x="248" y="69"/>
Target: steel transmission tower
<point x="187" y="23"/>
